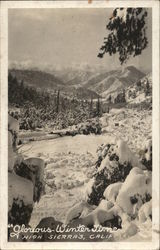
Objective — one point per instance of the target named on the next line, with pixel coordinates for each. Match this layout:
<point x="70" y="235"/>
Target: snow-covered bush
<point x="118" y="194"/>
<point x="92" y="126"/>
<point x="124" y="206"/>
<point x="113" y="165"/>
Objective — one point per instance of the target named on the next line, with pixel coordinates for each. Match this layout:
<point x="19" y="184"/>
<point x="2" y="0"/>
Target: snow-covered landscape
<point x="80" y="133"/>
<point x="70" y="168"/>
<point x="96" y="172"/>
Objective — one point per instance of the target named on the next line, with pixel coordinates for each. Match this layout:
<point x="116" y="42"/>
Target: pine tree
<point x="57" y="101"/>
<point x="98" y="111"/>
<point x="147" y="87"/>
<point x="91" y="107"/>
<point x="109" y="99"/>
<point x="128" y="33"/>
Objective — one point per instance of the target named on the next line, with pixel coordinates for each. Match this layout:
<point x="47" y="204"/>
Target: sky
<point x="65" y="37"/>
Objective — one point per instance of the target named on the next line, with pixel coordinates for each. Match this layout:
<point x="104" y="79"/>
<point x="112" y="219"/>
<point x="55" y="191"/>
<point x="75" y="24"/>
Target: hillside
<point x="113" y="81"/>
<point x="79" y="83"/>
<point x="37" y="79"/>
<point x="140" y="92"/>
<point x="47" y="81"/>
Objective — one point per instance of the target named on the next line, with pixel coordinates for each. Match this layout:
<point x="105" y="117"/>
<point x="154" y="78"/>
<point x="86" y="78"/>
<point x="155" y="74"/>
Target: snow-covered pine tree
<point x="127" y="35"/>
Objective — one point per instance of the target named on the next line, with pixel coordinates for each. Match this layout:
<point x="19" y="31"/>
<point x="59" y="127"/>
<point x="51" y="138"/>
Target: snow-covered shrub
<point x="119" y="195"/>
<point x="113" y="165"/>
<point x="91" y="126"/>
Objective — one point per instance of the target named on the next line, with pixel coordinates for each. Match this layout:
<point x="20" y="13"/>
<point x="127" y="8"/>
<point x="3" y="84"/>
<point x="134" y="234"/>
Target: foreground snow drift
<point x="119" y="188"/>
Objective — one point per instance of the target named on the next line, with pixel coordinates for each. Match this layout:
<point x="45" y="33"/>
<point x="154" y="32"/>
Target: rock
<point x="50" y="175"/>
<point x="75" y="212"/>
<point x="99" y="215"/>
<point x="47" y="223"/>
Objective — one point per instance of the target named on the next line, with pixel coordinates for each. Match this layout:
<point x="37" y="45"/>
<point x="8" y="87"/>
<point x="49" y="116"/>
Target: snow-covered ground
<point x="70" y="165"/>
<point x="134" y="127"/>
<point x="71" y="160"/>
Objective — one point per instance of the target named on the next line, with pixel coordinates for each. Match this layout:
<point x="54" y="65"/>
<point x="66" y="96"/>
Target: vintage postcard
<point x="80" y="125"/>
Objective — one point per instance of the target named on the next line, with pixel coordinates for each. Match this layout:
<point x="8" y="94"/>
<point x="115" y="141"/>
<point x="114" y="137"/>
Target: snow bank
<point x="20" y="199"/>
<point x="146" y="154"/>
<point x="75" y="212"/>
<point x="135" y="191"/>
<point x="33" y="169"/>
<point x="13" y="124"/>
<point x="112" y="191"/>
<point x="19" y="188"/>
<point x="145" y="212"/>
<point x="11" y="153"/>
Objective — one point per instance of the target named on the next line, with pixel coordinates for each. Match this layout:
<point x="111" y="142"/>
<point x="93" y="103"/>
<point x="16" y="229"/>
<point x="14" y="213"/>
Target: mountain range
<point x="81" y="83"/>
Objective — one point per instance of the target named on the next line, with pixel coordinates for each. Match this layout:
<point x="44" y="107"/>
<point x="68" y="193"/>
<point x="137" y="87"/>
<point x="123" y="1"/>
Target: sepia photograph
<point x="80" y="116"/>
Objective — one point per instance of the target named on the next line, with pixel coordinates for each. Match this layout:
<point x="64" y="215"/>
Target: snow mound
<point x="75" y="212"/>
<point x="13" y="124"/>
<point x="135" y="191"/>
<point x="145" y="212"/>
<point x="146" y="155"/>
<point x="11" y="153"/>
<point x="119" y="152"/>
<point x="20" y="199"/>
<point x="20" y="188"/>
<point x="112" y="191"/>
<point x="33" y="169"/>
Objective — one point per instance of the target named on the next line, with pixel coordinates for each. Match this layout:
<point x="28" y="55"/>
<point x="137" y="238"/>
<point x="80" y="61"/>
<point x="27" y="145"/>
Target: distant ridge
<point x="49" y="82"/>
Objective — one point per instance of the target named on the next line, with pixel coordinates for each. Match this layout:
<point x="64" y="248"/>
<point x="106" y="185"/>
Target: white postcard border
<point x="4" y="123"/>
